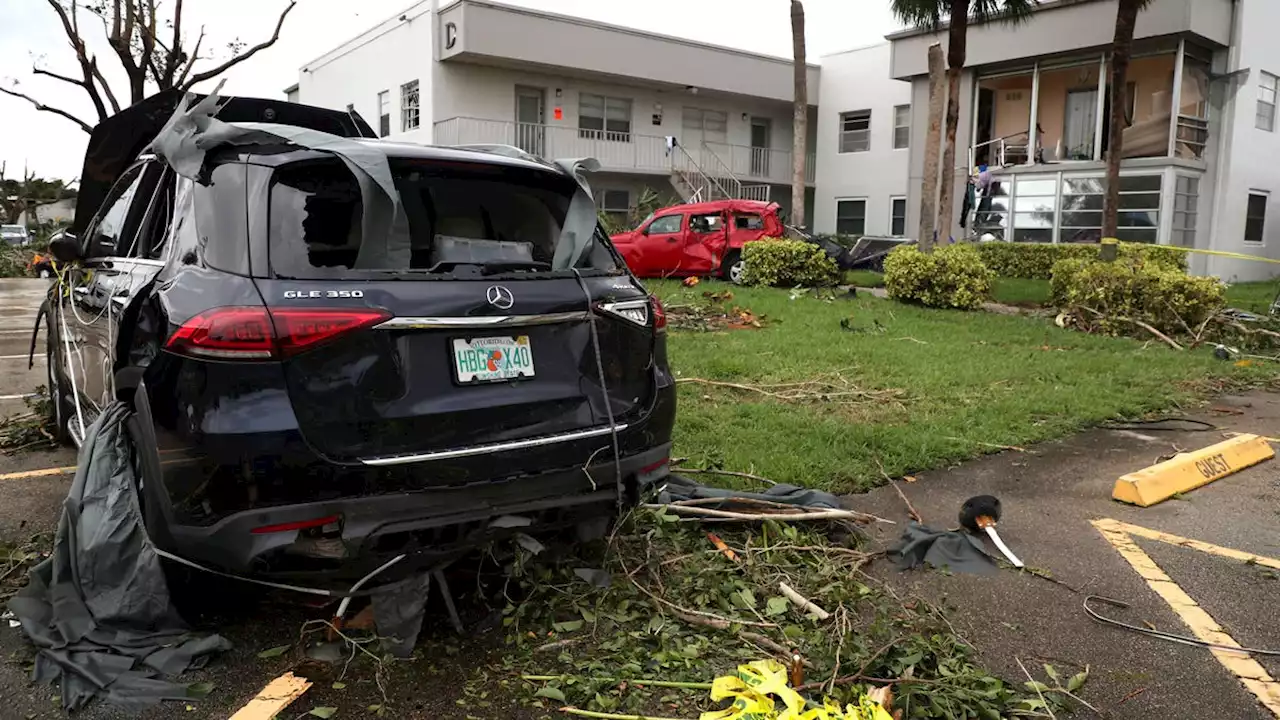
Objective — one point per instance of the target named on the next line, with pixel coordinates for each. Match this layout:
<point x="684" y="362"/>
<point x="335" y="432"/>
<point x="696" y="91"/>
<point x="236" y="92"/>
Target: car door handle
<point x="673" y="239"/>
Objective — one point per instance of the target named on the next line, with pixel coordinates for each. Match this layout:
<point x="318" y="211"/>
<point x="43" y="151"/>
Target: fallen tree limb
<point x="727" y="473"/>
<point x="781" y="516"/>
<point x="1167" y="340"/>
<point x="803" y="602"/>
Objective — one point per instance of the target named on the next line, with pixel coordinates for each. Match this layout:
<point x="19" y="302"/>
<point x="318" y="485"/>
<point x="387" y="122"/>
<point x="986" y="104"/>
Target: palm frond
<point x="919" y="13"/>
<point x="1013" y="12"/>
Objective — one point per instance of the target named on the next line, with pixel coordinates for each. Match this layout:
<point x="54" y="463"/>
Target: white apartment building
<point x="1201" y="151"/>
<point x="1201" y="165"/>
<point x="480" y="72"/>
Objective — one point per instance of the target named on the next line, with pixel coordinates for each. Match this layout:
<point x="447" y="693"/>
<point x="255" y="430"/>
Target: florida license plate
<point x="492" y="359"/>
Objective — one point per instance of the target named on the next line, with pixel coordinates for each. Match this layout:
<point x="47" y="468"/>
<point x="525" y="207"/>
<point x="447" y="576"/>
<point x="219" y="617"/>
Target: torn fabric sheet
<point x="98" y="609"/>
<point x="194" y="131"/>
<point x="677" y="487"/>
<point x="955" y="550"/>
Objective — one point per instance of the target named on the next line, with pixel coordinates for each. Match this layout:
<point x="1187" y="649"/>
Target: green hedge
<point x="1098" y="293"/>
<point x="1036" y="260"/>
<point x="952" y="276"/>
<point x="787" y="263"/>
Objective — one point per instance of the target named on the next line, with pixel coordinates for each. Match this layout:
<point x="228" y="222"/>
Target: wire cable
<point x="604" y="386"/>
<point x="1153" y="424"/>
<point x="1171" y="637"/>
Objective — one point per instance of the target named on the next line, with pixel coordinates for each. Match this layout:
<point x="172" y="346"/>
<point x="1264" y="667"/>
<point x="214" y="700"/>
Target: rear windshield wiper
<point x="493" y="268"/>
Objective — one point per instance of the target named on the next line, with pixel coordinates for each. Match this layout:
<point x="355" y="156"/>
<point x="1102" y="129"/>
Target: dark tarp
<point x="682" y="488"/>
<point x="954" y="550"/>
<point x="98" y="609"/>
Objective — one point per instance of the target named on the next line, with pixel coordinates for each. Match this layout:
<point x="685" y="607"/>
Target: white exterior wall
<point x="859" y="80"/>
<point x="383" y="58"/>
<point x="1250" y="154"/>
<point x="488" y="93"/>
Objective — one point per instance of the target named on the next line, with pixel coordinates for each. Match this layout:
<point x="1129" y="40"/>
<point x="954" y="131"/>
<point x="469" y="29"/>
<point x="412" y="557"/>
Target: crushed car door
<point x="661" y="249"/>
<point x="704" y="243"/>
<point x="100" y="288"/>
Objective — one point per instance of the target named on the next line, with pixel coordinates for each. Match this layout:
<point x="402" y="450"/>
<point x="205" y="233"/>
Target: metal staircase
<point x="695" y="183"/>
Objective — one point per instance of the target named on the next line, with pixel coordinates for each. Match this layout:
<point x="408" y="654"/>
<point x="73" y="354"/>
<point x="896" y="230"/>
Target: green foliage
<point x="647" y="203"/>
<point x="628" y="634"/>
<point x="787" y="263"/>
<point x="952" y="276"/>
<point x="1035" y="260"/>
<point x="1106" y="296"/>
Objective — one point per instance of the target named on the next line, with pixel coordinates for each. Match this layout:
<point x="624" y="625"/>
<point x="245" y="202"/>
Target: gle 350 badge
<point x="307" y="294"/>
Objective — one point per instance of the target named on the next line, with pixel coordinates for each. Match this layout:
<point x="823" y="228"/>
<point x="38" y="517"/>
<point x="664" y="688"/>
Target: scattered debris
<point x="32" y="429"/>
<point x="980" y="514"/>
<point x="832" y="388"/>
<point x="713" y="315"/>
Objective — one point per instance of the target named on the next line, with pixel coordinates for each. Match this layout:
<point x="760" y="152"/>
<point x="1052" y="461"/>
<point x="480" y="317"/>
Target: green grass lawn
<point x="968" y="382"/>
<point x="1253" y="296"/>
<point x="864" y="278"/>
<point x="1020" y="292"/>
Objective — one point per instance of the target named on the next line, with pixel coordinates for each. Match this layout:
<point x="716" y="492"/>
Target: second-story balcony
<point x="622" y="151"/>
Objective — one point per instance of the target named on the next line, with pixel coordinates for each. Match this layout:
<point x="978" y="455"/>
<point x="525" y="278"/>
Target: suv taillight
<point x="659" y="315"/>
<point x="253" y="333"/>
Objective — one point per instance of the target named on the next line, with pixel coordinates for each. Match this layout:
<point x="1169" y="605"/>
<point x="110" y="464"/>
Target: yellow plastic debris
<point x="760" y="692"/>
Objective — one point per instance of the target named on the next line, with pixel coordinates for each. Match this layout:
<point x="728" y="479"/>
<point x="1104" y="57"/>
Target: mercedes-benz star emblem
<point x="500" y="297"/>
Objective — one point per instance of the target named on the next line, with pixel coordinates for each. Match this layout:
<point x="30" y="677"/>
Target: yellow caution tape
<point x="755" y="687"/>
<point x="1219" y="253"/>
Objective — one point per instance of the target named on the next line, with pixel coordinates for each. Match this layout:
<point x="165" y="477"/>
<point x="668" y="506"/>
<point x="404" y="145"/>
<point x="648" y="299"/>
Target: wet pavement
<point x="1050" y="496"/>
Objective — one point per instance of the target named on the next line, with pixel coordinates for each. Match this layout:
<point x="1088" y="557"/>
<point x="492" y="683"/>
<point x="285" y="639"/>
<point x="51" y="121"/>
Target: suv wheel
<point x="732" y="267"/>
<point x="57" y="396"/>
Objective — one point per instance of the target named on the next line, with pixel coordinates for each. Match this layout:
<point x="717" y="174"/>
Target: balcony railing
<point x="620" y="151"/>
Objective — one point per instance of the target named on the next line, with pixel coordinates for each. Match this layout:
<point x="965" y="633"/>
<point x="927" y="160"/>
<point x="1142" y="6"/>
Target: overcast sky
<point x="53" y="147"/>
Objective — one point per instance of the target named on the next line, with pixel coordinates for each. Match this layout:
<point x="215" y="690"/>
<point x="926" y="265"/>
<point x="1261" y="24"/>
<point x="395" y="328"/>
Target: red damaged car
<point x="698" y="238"/>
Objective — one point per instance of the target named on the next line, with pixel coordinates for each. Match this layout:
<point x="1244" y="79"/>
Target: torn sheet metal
<point x="580" y="221"/>
<point x="194" y="130"/>
<point x="98" y="609"/>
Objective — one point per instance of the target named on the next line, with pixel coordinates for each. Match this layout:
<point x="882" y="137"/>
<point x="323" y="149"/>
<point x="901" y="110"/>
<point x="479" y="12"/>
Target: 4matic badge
<point x="306" y="294"/>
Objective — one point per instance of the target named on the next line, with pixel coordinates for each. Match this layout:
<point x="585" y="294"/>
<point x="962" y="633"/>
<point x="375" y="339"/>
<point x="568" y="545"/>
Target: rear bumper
<point x="429" y="526"/>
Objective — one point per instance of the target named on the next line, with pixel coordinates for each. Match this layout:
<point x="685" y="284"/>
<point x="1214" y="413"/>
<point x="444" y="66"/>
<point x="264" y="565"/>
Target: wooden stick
<point x="911" y="510"/>
<point x="781" y="517"/>
<point x="729" y="473"/>
<point x="803" y="602"/>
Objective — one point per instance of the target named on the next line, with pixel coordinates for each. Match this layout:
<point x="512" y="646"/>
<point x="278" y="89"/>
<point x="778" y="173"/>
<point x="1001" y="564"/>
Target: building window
<point x="710" y="125"/>
<point x="901" y="127"/>
<point x="384" y="113"/>
<point x="604" y="118"/>
<point x="1080" y="219"/>
<point x="851" y="217"/>
<point x="1255" y="218"/>
<point x="898" y="216"/>
<point x="616" y="204"/>
<point x="1266" y="119"/>
<point x="855" y="131"/>
<point x="410" y="115"/>
<point x="1186" y="207"/>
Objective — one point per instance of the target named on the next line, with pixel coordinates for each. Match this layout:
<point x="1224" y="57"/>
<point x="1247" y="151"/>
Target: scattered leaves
<point x="276" y="651"/>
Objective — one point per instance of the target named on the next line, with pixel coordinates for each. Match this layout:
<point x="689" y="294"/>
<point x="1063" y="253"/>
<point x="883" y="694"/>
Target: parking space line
<point x="1250" y="673"/>
<point x="19" y="357"/>
<point x="273" y="698"/>
<point x="42" y="472"/>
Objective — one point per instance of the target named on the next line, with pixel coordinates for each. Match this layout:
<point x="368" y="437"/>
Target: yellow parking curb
<point x="1188" y="471"/>
<point x="275" y="697"/>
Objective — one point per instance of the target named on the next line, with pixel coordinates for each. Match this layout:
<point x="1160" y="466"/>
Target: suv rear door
<point x="395" y="356"/>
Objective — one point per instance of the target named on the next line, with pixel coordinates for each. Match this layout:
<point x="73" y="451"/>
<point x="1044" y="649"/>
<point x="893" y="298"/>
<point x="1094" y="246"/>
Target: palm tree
<point x="800" y="124"/>
<point x="1121" y="50"/>
<point x="929" y="13"/>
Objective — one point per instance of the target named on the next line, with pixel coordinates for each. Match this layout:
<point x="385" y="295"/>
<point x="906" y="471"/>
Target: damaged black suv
<point x="347" y="352"/>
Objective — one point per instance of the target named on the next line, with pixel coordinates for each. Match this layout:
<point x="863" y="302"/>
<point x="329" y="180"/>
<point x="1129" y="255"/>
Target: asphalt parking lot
<point x="1058" y="517"/>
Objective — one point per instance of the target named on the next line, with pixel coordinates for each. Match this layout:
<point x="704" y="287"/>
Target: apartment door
<point x="530" y="116"/>
<point x="1080" y="124"/>
<point x="760" y="130"/>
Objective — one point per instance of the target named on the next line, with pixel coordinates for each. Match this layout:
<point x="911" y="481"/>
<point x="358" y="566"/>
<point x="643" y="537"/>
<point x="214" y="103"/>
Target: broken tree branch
<point x="803" y="602"/>
<point x="214" y="72"/>
<point x="831" y="514"/>
<point x="46" y="108"/>
<point x="1165" y="338"/>
<point x="728" y="473"/>
<point x="911" y="510"/>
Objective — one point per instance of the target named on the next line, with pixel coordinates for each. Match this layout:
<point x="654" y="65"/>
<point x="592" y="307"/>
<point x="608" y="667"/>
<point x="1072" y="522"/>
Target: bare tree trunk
<point x="932" y="143"/>
<point x="800" y="125"/>
<point x="1121" y="49"/>
<point x="956" y="40"/>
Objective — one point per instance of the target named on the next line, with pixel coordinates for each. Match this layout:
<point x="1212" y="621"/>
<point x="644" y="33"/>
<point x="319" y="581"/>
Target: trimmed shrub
<point x="952" y="276"/>
<point x="1035" y="260"/>
<point x="1136" y="288"/>
<point x="787" y="263"/>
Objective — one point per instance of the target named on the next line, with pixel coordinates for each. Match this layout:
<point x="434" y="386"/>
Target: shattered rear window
<point x="454" y="214"/>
